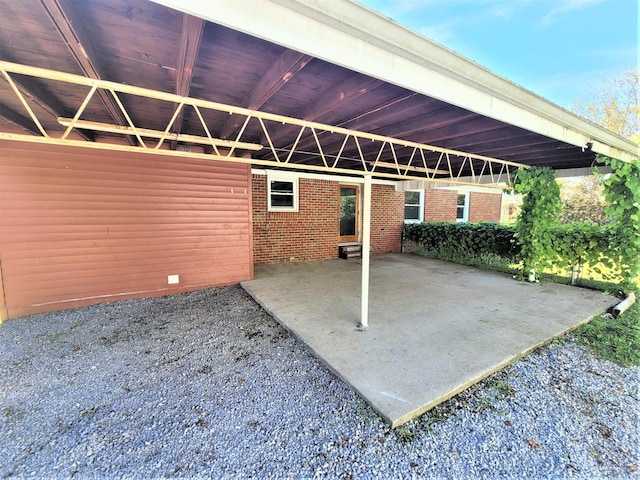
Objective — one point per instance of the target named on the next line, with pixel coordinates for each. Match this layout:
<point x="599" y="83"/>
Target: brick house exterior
<point x="312" y="232"/>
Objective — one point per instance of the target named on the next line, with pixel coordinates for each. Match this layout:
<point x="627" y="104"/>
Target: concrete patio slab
<point x="435" y="328"/>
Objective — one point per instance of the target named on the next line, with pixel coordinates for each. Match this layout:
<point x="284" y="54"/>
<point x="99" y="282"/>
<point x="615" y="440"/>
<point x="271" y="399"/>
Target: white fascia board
<point x="346" y="33"/>
<point x="418" y="185"/>
<point x="320" y="176"/>
<point x="403" y="186"/>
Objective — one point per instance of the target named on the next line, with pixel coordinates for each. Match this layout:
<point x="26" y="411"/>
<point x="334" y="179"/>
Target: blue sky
<point x="559" y="49"/>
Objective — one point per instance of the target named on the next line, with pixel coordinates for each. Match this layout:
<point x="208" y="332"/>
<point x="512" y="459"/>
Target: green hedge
<point x="464" y="238"/>
<point x="494" y="246"/>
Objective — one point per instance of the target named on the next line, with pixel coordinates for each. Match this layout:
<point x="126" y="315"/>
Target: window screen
<point x="413" y="206"/>
<point x="283" y="194"/>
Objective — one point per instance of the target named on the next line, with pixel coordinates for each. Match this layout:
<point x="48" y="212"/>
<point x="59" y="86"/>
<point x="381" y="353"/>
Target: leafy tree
<point x="583" y="200"/>
<point x="614" y="106"/>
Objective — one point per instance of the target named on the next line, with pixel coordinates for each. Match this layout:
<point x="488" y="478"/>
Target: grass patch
<point x="486" y="261"/>
<point x="404" y="435"/>
<point x="617" y="340"/>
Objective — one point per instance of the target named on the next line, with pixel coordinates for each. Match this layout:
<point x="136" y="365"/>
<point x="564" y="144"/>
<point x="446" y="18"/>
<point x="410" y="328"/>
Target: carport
<point x="328" y="87"/>
<point x="437" y="328"/>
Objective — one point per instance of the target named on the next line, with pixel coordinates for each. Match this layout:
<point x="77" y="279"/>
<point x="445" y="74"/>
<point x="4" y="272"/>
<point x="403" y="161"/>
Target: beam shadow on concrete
<point x="435" y="328"/>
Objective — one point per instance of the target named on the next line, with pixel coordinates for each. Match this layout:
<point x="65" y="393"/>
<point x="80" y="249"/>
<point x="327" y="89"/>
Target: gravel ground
<point x="207" y="385"/>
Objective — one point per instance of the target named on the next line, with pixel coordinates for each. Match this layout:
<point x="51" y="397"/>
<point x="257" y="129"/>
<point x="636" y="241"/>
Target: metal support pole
<point x="366" y="248"/>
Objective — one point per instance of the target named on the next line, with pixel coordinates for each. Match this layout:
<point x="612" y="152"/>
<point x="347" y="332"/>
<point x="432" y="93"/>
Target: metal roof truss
<point x="258" y="138"/>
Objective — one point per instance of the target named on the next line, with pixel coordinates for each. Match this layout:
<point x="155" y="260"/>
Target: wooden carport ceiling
<point x="141" y="43"/>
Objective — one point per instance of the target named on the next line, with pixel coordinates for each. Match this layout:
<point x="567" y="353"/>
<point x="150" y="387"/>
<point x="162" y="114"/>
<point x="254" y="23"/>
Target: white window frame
<point x="282" y="177"/>
<point x="465" y="212"/>
<point x="420" y="208"/>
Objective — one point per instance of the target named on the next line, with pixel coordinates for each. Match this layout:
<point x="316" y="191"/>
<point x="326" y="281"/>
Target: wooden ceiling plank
<point x="288" y="64"/>
<point x="499" y="141"/>
<point x="80" y="46"/>
<point x="439" y="119"/>
<point x="435" y="119"/>
<point x="190" y="39"/>
<point x="18" y="120"/>
<point x="337" y="96"/>
<point x="340" y="94"/>
<point x="400" y="105"/>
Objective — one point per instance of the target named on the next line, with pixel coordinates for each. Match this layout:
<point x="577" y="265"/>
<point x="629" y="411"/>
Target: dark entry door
<point x="349" y="201"/>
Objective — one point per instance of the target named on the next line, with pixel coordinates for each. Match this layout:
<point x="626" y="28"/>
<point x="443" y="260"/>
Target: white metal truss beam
<point x="376" y="155"/>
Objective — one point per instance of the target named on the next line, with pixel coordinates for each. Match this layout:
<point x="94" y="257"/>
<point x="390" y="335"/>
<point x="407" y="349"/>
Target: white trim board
<point x="322" y="176"/>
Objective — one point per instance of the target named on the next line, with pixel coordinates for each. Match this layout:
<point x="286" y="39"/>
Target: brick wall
<point x="387" y="219"/>
<point x="311" y="233"/>
<point x="484" y="207"/>
<point x="441" y="206"/>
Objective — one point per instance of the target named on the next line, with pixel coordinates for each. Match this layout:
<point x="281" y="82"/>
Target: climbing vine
<point x="539" y="242"/>
<point x="622" y="192"/>
<point x="540" y="211"/>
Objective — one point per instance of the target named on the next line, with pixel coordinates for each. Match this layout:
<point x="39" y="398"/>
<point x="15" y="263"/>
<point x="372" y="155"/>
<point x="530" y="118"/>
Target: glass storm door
<point x="349" y="200"/>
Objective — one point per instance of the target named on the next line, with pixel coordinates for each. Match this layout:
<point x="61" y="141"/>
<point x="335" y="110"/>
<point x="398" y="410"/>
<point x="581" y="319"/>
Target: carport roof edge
<point x="322" y="29"/>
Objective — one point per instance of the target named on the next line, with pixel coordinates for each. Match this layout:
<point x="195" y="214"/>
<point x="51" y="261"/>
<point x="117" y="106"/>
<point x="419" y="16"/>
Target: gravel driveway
<point x="206" y="384"/>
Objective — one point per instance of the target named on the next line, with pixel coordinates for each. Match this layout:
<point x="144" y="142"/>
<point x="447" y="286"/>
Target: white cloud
<point x="447" y="32"/>
<point x="566" y="7"/>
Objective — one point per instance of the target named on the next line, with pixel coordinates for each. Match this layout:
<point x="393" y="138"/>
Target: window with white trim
<point x="413" y="206"/>
<point x="282" y="193"/>
<point x="462" y="214"/>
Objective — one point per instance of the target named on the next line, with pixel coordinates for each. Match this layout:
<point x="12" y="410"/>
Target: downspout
<point x="4" y="309"/>
<point x="624" y="305"/>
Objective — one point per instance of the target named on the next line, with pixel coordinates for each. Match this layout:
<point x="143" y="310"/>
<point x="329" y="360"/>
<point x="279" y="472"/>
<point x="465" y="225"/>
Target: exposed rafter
<point x="435" y="119"/>
<point x="403" y="104"/>
<point x="190" y="38"/>
<point x="283" y="69"/>
<point x="340" y="94"/>
<point x="335" y="97"/>
<point x="79" y="43"/>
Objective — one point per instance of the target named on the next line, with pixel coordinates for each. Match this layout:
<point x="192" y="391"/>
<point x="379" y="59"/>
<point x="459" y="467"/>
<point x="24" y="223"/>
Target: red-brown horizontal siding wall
<point x="84" y="226"/>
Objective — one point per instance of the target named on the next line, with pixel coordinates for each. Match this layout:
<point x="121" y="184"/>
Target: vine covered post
<point x="622" y="192"/>
<point x="541" y="206"/>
